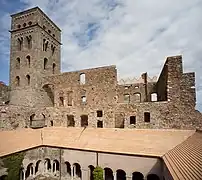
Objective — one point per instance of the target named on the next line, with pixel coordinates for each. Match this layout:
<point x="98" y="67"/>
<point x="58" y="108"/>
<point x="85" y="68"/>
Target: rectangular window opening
<point x="146" y="117"/>
<point x="99" y="114"/>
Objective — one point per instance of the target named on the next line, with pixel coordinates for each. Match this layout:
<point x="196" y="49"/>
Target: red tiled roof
<point x="148" y="142"/>
<point x="185" y="160"/>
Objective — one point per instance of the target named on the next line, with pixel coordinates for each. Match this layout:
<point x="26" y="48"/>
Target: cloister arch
<point x="30" y="170"/>
<point x="108" y="174"/>
<point x="56" y="166"/>
<point x="47" y="165"/>
<point x="152" y="177"/>
<point x="77" y="171"/>
<point x="68" y="169"/>
<point x="49" y="89"/>
<point x="137" y="176"/>
<point x="38" y="165"/>
<point x="90" y="172"/>
<point x="120" y="174"/>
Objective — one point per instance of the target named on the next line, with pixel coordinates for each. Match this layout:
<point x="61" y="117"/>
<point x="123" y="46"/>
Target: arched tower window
<point x="28" y="61"/>
<point x="46" y="46"/>
<point x="28" y="79"/>
<point x="45" y="63"/>
<point x="82" y="78"/>
<point x="29" y="41"/>
<point x="20" y="43"/>
<point x="17" y="81"/>
<point x="18" y="63"/>
<point x="52" y="49"/>
<point x="54" y="65"/>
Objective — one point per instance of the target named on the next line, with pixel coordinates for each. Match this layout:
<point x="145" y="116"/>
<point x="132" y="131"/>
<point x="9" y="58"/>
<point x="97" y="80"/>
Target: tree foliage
<point x="98" y="173"/>
<point x="13" y="162"/>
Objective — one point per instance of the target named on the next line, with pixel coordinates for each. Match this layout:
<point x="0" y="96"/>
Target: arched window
<point x="45" y="45"/>
<point x="38" y="166"/>
<point x="54" y="65"/>
<point x="68" y="168"/>
<point x="137" y="97"/>
<point x="52" y="49"/>
<point x="82" y="78"/>
<point x="30" y="170"/>
<point x="56" y="166"/>
<point x="126" y="98"/>
<point x="17" y="81"/>
<point x="49" y="31"/>
<point x="28" y="61"/>
<point x="47" y="165"/>
<point x="154" y="97"/>
<point x="18" y="63"/>
<point x="108" y="174"/>
<point x="137" y="176"/>
<point x="45" y="63"/>
<point x="83" y="99"/>
<point x="19" y="26"/>
<point x="51" y="123"/>
<point x="29" y="41"/>
<point x="84" y="120"/>
<point x="77" y="170"/>
<point x="20" y="43"/>
<point x="90" y="172"/>
<point x="120" y="175"/>
<point x="30" y="23"/>
<point x="24" y="25"/>
<point x="28" y="79"/>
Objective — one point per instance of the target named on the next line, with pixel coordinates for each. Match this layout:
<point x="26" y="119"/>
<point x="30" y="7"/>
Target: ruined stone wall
<point x="162" y="84"/>
<point x="135" y="90"/>
<point x="188" y="93"/>
<point x="4" y="94"/>
<point x="99" y="91"/>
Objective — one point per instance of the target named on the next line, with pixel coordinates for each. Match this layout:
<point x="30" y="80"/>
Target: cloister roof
<point x="185" y="160"/>
<point x="148" y="142"/>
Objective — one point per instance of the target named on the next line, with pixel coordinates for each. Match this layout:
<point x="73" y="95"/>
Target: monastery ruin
<point x="67" y="123"/>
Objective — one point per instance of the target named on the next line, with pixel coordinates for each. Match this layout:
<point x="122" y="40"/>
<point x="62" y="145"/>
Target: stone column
<point x="52" y="164"/>
<point x="23" y="175"/>
<point x="84" y="174"/>
<point x="115" y="176"/>
<point x="72" y="170"/>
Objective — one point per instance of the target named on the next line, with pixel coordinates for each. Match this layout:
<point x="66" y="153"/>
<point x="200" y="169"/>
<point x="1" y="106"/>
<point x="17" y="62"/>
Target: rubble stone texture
<point x="40" y="95"/>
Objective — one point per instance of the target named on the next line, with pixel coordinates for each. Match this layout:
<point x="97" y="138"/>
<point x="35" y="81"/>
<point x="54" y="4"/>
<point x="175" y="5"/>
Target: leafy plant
<point x="98" y="173"/>
<point x="13" y="162"/>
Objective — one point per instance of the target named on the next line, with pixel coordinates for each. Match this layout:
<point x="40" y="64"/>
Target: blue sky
<point x="134" y="35"/>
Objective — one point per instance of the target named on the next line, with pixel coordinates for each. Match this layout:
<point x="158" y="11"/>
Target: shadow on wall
<point x="156" y="171"/>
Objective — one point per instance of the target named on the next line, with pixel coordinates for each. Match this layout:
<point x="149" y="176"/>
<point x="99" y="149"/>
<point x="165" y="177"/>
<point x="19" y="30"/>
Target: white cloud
<point x="135" y="35"/>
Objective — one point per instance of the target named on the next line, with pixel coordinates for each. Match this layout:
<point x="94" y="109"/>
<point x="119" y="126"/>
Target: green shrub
<point x="98" y="173"/>
<point x="13" y="162"/>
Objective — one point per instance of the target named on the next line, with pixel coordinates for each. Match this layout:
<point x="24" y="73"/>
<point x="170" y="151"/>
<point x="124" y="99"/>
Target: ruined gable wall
<point x="188" y="93"/>
<point x="99" y="90"/>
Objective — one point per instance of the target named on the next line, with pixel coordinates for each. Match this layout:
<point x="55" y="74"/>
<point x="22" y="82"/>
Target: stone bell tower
<point x="34" y="54"/>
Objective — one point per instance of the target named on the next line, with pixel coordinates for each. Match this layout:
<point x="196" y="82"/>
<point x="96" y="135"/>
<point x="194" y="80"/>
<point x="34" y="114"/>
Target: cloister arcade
<point x="74" y="171"/>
